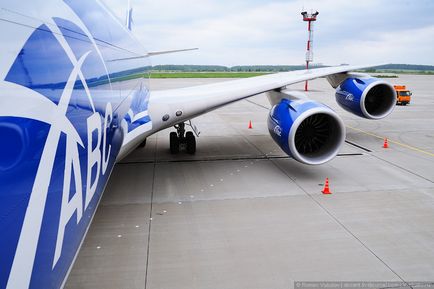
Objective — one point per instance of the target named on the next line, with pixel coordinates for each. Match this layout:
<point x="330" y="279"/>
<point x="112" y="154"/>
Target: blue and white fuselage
<point x="74" y="98"/>
<point x="63" y="117"/>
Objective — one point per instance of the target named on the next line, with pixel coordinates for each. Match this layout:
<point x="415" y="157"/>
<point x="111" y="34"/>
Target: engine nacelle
<point x="368" y="97"/>
<point x="308" y="131"/>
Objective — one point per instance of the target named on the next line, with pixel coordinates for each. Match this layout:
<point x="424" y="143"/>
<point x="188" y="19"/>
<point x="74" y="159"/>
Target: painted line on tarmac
<point x="394" y="142"/>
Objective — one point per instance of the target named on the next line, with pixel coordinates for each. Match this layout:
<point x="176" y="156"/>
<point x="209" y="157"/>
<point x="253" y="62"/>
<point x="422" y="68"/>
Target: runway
<point x="241" y="214"/>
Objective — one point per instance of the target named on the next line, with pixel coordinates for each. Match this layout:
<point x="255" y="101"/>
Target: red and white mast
<point x="309" y="18"/>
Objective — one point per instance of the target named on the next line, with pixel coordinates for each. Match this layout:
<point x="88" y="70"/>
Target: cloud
<point x="393" y="47"/>
<point x="272" y="32"/>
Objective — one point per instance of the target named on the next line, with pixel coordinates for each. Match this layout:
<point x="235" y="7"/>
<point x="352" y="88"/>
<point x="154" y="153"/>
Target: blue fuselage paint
<point x="80" y="73"/>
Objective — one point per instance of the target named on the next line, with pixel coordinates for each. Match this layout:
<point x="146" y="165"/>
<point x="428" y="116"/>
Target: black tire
<point x="174" y="143"/>
<point x="143" y="144"/>
<point x="191" y="143"/>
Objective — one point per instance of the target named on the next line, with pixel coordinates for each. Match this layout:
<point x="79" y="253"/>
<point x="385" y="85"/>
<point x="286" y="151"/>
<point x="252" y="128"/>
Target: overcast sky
<point x="250" y="32"/>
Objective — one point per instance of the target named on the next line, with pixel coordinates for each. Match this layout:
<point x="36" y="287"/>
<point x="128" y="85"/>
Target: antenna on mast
<point x="129" y="17"/>
<point x="310" y="18"/>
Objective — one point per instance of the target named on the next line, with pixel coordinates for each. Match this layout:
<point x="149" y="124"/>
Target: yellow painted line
<point x="394" y="142"/>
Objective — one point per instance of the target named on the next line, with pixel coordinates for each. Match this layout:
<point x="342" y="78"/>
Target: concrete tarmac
<point x="241" y="214"/>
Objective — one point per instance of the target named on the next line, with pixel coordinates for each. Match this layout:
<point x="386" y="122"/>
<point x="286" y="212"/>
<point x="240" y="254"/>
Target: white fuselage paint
<point x="96" y="159"/>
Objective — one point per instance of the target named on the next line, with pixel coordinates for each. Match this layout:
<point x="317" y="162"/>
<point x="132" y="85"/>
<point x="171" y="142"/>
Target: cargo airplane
<point x="75" y="99"/>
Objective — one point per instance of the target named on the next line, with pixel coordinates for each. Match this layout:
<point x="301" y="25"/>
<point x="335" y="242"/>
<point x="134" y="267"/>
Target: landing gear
<point x="182" y="140"/>
<point x="191" y="143"/>
<point x="174" y="143"/>
<point x="143" y="144"/>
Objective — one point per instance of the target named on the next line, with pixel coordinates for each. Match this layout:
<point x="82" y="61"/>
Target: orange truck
<point x="403" y="95"/>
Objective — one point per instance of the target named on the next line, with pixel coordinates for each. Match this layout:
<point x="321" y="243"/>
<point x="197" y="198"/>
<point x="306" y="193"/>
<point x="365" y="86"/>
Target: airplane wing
<point x="179" y="105"/>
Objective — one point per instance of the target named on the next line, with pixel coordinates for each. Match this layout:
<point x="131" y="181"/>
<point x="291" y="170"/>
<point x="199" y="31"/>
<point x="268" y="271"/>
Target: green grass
<point x="205" y="74"/>
<point x="189" y="75"/>
<point x="168" y="75"/>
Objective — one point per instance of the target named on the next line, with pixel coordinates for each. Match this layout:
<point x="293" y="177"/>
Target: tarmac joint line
<point x="394" y="142"/>
<point x="338" y="222"/>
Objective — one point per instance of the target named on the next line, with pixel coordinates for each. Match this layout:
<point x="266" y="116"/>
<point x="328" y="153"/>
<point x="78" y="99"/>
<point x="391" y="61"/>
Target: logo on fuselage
<point x="73" y="153"/>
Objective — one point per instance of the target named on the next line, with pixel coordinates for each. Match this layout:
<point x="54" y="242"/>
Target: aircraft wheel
<point x="174" y="143"/>
<point x="143" y="144"/>
<point x="191" y="143"/>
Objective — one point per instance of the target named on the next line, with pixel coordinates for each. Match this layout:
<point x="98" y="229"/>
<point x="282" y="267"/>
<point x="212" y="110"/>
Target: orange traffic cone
<point x="250" y="125"/>
<point x="326" y="190"/>
<point x="386" y="144"/>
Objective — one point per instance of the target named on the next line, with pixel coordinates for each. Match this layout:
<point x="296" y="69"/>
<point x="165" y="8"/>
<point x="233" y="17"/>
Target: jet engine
<point x="308" y="131"/>
<point x="366" y="97"/>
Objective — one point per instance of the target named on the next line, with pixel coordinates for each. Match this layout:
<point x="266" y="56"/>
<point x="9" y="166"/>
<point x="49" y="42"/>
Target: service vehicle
<point x="403" y="95"/>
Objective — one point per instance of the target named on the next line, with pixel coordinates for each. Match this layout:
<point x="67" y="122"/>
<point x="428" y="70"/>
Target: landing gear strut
<point x="182" y="140"/>
<point x="142" y="144"/>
